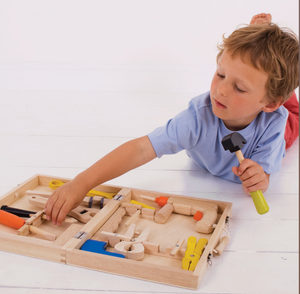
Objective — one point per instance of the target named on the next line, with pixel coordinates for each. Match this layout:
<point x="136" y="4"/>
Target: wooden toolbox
<point x="153" y="242"/>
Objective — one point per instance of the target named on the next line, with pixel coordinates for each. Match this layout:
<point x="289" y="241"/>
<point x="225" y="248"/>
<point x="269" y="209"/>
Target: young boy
<point x="292" y="105"/>
<point x="257" y="71"/>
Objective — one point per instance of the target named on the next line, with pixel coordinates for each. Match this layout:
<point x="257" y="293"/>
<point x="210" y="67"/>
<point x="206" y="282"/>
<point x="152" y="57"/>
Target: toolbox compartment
<point x="157" y="265"/>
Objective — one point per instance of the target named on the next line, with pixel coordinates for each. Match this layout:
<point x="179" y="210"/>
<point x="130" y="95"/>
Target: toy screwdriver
<point x="57" y="183"/>
<point x="28" y="213"/>
<point x="193" y="253"/>
<point x="16" y="222"/>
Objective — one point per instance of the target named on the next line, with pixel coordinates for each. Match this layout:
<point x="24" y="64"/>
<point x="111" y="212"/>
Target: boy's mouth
<point x="220" y="105"/>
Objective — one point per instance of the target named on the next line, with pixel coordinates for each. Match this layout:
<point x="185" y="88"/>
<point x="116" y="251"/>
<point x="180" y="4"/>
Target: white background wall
<point x="121" y="45"/>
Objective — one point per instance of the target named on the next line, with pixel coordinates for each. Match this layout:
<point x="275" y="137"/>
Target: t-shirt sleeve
<point x="270" y="149"/>
<point x="179" y="133"/>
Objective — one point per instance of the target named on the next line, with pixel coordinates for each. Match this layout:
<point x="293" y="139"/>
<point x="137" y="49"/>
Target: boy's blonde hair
<point x="271" y="49"/>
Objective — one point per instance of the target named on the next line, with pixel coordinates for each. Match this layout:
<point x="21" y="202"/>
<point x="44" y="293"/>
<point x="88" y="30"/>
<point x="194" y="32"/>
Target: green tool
<point x="234" y="142"/>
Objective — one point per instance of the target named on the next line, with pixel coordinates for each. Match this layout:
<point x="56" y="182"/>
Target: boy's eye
<point x="239" y="89"/>
<point x="219" y="75"/>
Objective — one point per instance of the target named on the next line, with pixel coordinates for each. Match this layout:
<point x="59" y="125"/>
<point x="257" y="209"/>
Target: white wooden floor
<point x="42" y="132"/>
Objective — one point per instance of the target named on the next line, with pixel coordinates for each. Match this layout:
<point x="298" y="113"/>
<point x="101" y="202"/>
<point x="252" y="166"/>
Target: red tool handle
<point x="11" y="220"/>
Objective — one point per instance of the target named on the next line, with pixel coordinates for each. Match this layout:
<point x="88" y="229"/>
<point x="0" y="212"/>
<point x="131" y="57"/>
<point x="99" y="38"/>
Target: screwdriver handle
<point x="258" y="198"/>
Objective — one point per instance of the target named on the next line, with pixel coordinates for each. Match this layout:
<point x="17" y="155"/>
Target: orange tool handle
<point x="161" y="200"/>
<point x="11" y="220"/>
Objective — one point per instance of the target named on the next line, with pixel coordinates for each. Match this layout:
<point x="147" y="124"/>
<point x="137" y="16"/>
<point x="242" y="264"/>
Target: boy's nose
<point x="222" y="89"/>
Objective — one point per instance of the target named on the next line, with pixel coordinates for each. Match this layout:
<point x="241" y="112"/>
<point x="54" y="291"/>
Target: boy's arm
<point x="252" y="175"/>
<point x="126" y="157"/>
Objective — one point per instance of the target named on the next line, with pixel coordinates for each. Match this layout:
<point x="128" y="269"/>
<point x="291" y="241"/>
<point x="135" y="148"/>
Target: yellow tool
<point x="57" y="183"/>
<point x="193" y="253"/>
<point x="142" y="204"/>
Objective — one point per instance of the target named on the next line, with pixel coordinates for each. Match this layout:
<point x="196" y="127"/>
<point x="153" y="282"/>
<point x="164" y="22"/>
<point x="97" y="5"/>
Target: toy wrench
<point x="134" y="248"/>
<point x="125" y="244"/>
<point x="57" y="183"/>
<point x="82" y="214"/>
<point x="193" y="253"/>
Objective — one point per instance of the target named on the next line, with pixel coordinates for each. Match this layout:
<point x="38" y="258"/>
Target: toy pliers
<point x="193" y="253"/>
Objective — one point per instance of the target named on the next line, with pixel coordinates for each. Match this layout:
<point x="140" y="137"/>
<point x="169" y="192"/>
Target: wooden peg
<point x="220" y="248"/>
<point x="132" y="218"/>
<point x="148" y="213"/>
<point x="26" y="229"/>
<point x="113" y="238"/>
<point x="43" y="233"/>
<point x="177" y="246"/>
<point x="147" y="197"/>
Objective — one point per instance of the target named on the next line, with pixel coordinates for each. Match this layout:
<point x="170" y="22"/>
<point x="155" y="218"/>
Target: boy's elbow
<point x="144" y="148"/>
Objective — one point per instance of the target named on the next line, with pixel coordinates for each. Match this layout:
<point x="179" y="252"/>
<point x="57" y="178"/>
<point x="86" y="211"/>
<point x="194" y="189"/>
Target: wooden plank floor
<point x="42" y="132"/>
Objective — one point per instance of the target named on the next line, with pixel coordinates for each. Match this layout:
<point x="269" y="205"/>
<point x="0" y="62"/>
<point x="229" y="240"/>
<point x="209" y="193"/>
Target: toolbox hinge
<point x="80" y="235"/>
<point x="118" y="197"/>
<point x="227" y="221"/>
<point x="209" y="261"/>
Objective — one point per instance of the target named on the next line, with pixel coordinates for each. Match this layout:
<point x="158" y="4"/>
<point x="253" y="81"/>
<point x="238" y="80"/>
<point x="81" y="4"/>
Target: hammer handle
<point x="239" y="156"/>
<point x="258" y="198"/>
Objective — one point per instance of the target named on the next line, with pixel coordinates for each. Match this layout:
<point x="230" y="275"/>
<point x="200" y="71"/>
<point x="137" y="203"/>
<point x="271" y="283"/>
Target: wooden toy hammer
<point x="234" y="142"/>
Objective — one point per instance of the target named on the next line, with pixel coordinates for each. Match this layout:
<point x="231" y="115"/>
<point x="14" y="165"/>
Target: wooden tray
<point x="158" y="264"/>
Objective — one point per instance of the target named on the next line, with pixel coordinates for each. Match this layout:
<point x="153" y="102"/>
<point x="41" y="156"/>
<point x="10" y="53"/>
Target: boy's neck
<point x="236" y="126"/>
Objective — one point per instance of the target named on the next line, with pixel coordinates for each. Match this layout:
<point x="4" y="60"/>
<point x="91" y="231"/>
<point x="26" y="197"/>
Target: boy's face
<point x="237" y="92"/>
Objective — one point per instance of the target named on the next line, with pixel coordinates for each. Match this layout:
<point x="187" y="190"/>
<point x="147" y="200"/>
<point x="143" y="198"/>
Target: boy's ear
<point x="272" y="106"/>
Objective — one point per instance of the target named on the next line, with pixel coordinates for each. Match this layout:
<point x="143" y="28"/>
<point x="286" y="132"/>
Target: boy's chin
<point x="217" y="113"/>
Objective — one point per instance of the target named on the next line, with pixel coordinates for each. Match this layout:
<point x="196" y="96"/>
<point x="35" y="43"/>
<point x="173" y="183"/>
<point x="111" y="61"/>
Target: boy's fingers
<point x="56" y="208"/>
<point x="249" y="175"/>
<point x="246" y="164"/>
<point x="255" y="183"/>
<point x="253" y="188"/>
<point x="64" y="210"/>
<point x="235" y="170"/>
<point x="49" y="205"/>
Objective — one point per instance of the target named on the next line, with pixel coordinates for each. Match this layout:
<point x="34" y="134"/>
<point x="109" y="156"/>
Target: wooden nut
<point x="163" y="214"/>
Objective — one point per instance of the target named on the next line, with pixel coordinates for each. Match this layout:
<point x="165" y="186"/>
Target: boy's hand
<point x="126" y="157"/>
<point x="64" y="199"/>
<point x="252" y="176"/>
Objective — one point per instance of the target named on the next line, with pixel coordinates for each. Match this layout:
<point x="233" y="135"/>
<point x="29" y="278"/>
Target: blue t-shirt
<point x="200" y="132"/>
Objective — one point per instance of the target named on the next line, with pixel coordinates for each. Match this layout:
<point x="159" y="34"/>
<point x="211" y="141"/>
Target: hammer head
<point x="233" y="142"/>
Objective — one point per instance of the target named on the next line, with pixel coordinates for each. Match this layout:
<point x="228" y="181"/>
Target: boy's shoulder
<point x="282" y="111"/>
<point x="277" y="117"/>
<point x="201" y="100"/>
